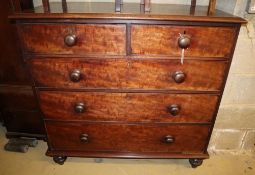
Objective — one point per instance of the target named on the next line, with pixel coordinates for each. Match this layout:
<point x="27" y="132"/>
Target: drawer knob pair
<point x="79" y="107"/>
<point x="174" y="109"/>
<point x="75" y="75"/>
<point x="84" y="138"/>
<point x="179" y="76"/>
<point x="70" y="40"/>
<point x="168" y="139"/>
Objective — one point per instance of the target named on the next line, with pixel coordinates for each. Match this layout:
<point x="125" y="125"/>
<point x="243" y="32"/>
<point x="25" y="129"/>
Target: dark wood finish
<point x="128" y="155"/>
<point x="195" y="162"/>
<point x="131" y="107"/>
<point x="1" y="115"/>
<point x="23" y="123"/>
<point x="64" y="6"/>
<point x="113" y="84"/>
<point x="17" y="98"/>
<point x="18" y="107"/>
<point x="162" y="40"/>
<point x="132" y="74"/>
<point x="91" y="39"/>
<point x="59" y="159"/>
<point x="12" y="69"/>
<point x="20" y="111"/>
<point x="126" y="138"/>
<point x="193" y="3"/>
<point x="46" y="6"/>
<point x="25" y="134"/>
<point x="16" y="5"/>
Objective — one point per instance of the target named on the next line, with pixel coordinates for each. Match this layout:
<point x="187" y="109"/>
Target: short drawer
<point x="163" y="40"/>
<point x="130" y="107"/>
<point x="129" y="74"/>
<point x="127" y="138"/>
<point x="76" y="39"/>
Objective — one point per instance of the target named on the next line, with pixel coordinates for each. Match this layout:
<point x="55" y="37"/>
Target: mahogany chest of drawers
<point x="114" y="85"/>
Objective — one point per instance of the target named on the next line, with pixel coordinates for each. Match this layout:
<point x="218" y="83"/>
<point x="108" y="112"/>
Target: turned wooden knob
<point x="75" y="75"/>
<point x="168" y="139"/>
<point x="174" y="109"/>
<point x="179" y="76"/>
<point x="84" y="138"/>
<point x="184" y="41"/>
<point x="79" y="107"/>
<point x="70" y="40"/>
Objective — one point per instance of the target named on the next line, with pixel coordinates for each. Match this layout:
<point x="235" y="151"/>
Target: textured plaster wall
<point x="235" y="126"/>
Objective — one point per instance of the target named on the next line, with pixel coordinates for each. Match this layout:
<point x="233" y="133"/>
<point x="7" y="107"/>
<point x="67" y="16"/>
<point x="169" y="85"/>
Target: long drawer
<point x="128" y="74"/>
<point x="79" y="39"/>
<point x="163" y="40"/>
<point x="128" y="107"/>
<point x="127" y="138"/>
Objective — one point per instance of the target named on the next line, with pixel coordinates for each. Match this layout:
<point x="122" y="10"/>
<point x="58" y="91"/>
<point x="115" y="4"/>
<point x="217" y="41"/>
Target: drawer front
<point x="126" y="138"/>
<point x="133" y="74"/>
<point x="163" y="40"/>
<point x="74" y="39"/>
<point x="131" y="107"/>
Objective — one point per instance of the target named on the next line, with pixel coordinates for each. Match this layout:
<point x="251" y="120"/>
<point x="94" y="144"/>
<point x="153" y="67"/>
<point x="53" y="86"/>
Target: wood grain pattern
<point x="131" y="74"/>
<point x="130" y="107"/>
<point x="125" y="138"/>
<point x="126" y="76"/>
<point x="91" y="39"/>
<point x="163" y="40"/>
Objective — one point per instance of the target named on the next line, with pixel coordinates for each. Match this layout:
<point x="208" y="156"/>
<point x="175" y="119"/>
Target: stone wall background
<point x="234" y="130"/>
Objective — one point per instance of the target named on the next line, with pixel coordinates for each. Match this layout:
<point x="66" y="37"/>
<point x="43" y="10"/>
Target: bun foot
<point x="59" y="159"/>
<point x="195" y="162"/>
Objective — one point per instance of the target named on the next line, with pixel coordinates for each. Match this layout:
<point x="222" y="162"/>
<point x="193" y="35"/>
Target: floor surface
<point x="35" y="162"/>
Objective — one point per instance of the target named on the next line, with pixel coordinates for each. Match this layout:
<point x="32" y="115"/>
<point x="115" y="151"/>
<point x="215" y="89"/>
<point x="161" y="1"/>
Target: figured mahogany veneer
<point x="90" y="39"/>
<point x="113" y="85"/>
<point x="130" y="74"/>
<point x="163" y="40"/>
<point x="130" y="107"/>
<point x="126" y="137"/>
